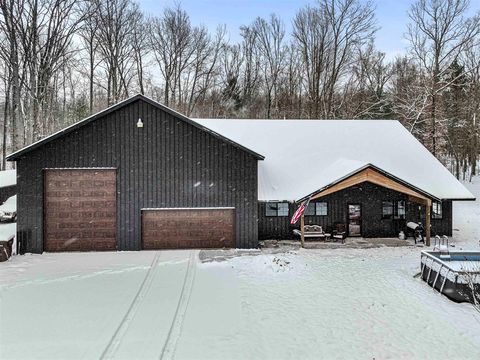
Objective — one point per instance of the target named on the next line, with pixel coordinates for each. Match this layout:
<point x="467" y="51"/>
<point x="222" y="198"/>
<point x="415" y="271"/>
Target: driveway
<point x="329" y="303"/>
<point x="94" y="305"/>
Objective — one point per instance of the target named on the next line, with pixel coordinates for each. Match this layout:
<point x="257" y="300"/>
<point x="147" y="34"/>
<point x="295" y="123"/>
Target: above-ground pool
<point x="455" y="275"/>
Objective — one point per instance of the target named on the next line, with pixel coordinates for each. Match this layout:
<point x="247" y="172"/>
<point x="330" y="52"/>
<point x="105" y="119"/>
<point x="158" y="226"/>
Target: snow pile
<point x="10" y="205"/>
<point x="8" y="178"/>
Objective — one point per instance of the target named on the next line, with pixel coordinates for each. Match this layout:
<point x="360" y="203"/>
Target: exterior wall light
<point x="140" y="123"/>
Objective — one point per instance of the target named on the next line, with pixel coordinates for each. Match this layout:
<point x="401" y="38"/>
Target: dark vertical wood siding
<point x="370" y="196"/>
<point x="167" y="163"/>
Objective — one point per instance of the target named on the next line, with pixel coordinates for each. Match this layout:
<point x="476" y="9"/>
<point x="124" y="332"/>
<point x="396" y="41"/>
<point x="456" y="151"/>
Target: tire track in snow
<point x="116" y="339"/>
<point x="168" y="350"/>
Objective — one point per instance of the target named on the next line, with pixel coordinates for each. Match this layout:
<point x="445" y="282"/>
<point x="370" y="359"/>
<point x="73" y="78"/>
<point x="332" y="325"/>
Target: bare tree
<point x="251" y="70"/>
<point x="12" y="11"/>
<point x="171" y="43"/>
<point x="438" y="33"/>
<point x="327" y="37"/>
<point x="367" y="95"/>
<point x="269" y="37"/>
<point x="115" y="42"/>
<point x="89" y="31"/>
<point x="62" y="59"/>
<point x="139" y="43"/>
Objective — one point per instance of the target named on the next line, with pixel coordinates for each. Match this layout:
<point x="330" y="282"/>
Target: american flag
<point x="299" y="212"/>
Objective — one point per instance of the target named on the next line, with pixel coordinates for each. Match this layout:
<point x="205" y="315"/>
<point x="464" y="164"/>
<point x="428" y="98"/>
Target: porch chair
<point x="339" y="233"/>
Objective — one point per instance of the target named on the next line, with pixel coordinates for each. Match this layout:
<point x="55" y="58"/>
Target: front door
<point x="354" y="220"/>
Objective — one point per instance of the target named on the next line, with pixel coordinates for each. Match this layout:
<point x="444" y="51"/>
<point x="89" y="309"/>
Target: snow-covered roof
<point x="8" y="178"/>
<point x="303" y="156"/>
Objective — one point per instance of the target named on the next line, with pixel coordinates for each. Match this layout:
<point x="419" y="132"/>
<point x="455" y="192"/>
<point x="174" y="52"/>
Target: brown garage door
<point x="80" y="210"/>
<point x="188" y="228"/>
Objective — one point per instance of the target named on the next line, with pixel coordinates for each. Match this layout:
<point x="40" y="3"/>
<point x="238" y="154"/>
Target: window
<point x="310" y="210"/>
<point x="321" y="208"/>
<point x="393" y="209"/>
<point x="387" y="209"/>
<point x="276" y="209"/>
<point x="436" y="210"/>
<point x="399" y="211"/>
<point x="316" y="208"/>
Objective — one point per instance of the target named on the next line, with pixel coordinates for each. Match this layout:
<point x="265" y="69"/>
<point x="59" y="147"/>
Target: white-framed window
<point x="437" y="210"/>
<point x="321" y="208"/>
<point x="276" y="209"/>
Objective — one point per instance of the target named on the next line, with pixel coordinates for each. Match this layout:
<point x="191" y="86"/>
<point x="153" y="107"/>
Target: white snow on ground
<point x="337" y="303"/>
<point x="8" y="178"/>
<point x="466" y="217"/>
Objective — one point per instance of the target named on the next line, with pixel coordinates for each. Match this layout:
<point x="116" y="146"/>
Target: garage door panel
<point x="188" y="228"/>
<point x="80" y="210"/>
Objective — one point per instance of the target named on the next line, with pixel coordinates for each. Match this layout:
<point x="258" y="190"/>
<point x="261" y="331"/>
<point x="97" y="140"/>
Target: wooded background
<point x="62" y="60"/>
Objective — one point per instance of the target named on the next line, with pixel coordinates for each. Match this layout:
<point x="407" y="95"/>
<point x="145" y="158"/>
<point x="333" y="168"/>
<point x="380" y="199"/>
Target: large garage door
<point x="80" y="210"/>
<point x="188" y="228"/>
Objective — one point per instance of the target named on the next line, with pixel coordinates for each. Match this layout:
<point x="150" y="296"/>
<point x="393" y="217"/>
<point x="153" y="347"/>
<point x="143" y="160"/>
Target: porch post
<point x="302" y="229"/>
<point x="427" y="223"/>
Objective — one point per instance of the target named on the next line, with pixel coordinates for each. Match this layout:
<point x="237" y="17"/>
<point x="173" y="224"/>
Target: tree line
<point x="62" y="60"/>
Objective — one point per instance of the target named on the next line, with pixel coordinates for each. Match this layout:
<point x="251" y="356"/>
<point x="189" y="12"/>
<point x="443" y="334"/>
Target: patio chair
<point x="339" y="233"/>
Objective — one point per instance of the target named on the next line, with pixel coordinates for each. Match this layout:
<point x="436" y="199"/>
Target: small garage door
<point x="80" y="210"/>
<point x="188" y="228"/>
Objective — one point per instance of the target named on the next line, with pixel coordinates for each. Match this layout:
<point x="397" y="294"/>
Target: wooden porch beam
<point x="374" y="177"/>
<point x="302" y="229"/>
<point x="422" y="201"/>
<point x="427" y="225"/>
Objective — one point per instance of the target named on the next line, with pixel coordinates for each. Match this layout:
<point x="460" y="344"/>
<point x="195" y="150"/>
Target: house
<point x="139" y="175"/>
<point x="8" y="184"/>
<point x="373" y="176"/>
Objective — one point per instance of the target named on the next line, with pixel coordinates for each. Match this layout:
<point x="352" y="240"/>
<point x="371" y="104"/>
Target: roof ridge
<point x="15" y="155"/>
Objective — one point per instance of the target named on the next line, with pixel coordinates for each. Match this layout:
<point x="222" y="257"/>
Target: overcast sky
<point x="391" y="16"/>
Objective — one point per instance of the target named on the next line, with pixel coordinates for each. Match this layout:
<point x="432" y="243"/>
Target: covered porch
<point x="359" y="196"/>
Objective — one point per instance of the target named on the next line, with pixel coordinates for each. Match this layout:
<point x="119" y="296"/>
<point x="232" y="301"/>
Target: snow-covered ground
<point x="466" y="217"/>
<point x="324" y="303"/>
